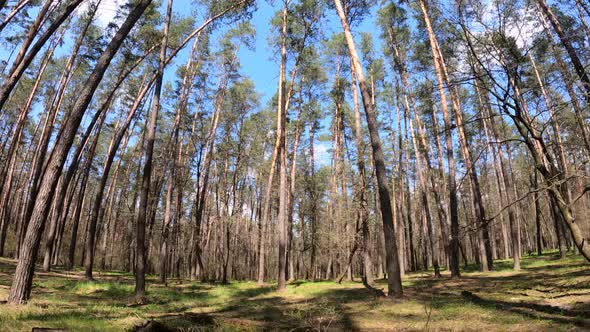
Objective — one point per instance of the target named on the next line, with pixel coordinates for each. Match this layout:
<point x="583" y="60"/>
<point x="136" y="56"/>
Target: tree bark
<point x="141" y="259"/>
<point x="392" y="258"/>
<point x="451" y="177"/>
<point x="282" y="156"/>
<point x="361" y="187"/>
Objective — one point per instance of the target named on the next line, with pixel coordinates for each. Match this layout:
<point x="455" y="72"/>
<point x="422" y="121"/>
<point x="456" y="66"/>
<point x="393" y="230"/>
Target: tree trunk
<point x="141" y="258"/>
<point x="361" y="187"/>
<point x="282" y="157"/>
<point x="10" y="156"/>
<point x="425" y="202"/>
<point x="536" y="197"/>
<point x="291" y="204"/>
<point x="392" y="259"/>
<point x="15" y="10"/>
<point x="451" y="177"/>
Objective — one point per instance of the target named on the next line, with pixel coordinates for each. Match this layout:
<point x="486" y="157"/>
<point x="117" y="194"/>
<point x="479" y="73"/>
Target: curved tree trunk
<point x="21" y="286"/>
<point x="141" y="259"/>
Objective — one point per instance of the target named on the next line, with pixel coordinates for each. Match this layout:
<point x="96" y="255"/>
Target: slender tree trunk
<point x="141" y="259"/>
<point x="15" y="10"/>
<point x="424" y="196"/>
<point x="76" y="222"/>
<point x="361" y="187"/>
<point x="313" y="221"/>
<point x="546" y="166"/>
<point x="536" y="197"/>
<point x="292" y="178"/>
<point x="484" y="241"/>
<point x="399" y="64"/>
<point x="282" y="156"/>
<point x="391" y="252"/>
<point x="80" y="203"/>
<point x="451" y="177"/>
<point x="9" y="164"/>
<point x="62" y="188"/>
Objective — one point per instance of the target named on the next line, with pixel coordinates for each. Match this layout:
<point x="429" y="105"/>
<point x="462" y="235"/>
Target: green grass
<point x="547" y="294"/>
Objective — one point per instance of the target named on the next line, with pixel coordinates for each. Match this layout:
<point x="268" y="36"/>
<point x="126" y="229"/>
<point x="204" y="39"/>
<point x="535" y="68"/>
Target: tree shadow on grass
<point x="276" y="314"/>
<point x="537" y="278"/>
<point x="258" y="309"/>
<point x="74" y="313"/>
<point x="533" y="310"/>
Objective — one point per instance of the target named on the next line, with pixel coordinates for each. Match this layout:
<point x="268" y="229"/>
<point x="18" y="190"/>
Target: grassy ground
<point x="548" y="294"/>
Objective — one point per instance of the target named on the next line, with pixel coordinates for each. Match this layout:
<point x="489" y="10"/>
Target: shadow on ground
<point x="263" y="309"/>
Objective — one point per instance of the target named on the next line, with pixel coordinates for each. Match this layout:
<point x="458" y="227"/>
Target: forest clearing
<point x="547" y="294"/>
<point x="315" y="165"/>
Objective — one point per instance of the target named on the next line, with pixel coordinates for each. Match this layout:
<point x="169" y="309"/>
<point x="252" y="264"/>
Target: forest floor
<point x="548" y="294"/>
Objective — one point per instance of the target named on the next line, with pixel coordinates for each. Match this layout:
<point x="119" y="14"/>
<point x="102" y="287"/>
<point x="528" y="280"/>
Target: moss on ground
<point x="547" y="294"/>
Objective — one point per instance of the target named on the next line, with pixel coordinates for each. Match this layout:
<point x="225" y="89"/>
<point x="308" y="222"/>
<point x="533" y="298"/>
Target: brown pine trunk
<point x="283" y="103"/>
<point x="39" y="158"/>
<point x="563" y="163"/>
<point x="166" y="229"/>
<point x="282" y="157"/>
<point x="391" y="252"/>
<point x="202" y="193"/>
<point x="484" y="242"/>
<point x="432" y="238"/>
<point x="313" y="216"/>
<point x="41" y="18"/>
<point x="292" y="178"/>
<point x="15" y="10"/>
<point x="179" y="167"/>
<point x="62" y="188"/>
<point x="96" y="203"/>
<point x="451" y="177"/>
<point x="20" y="199"/>
<point x="545" y="164"/>
<point x="141" y="257"/>
<point x="399" y="63"/>
<point x="17" y="130"/>
<point x="536" y="198"/>
<point x="80" y="202"/>
<point x="406" y="194"/>
<point x="361" y="186"/>
<point x="10" y="156"/>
